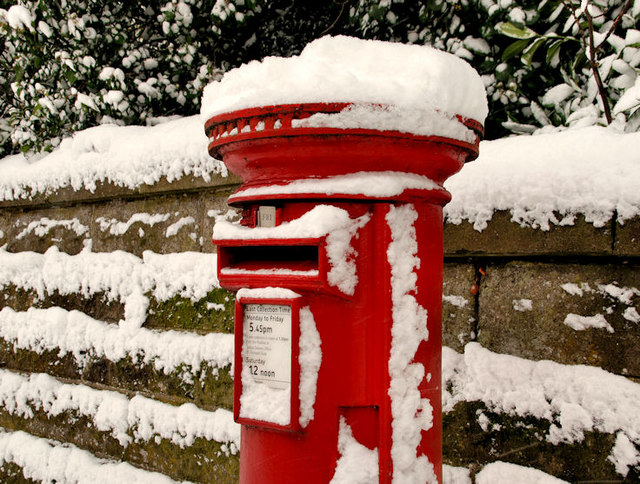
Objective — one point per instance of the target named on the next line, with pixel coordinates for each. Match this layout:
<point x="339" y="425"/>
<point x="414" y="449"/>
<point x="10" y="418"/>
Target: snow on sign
<point x="267" y="344"/>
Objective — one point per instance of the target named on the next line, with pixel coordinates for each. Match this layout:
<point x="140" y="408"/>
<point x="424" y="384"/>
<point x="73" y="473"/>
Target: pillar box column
<point x="338" y="257"/>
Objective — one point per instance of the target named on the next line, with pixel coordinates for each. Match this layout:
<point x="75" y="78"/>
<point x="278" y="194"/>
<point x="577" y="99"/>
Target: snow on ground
<point x="127" y="156"/>
<point x="548" y="179"/>
<point x="504" y="472"/>
<point x="48" y="461"/>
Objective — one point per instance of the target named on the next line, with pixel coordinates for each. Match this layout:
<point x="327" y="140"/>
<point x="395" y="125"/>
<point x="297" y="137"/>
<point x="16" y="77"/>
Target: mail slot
<point x="338" y="266"/>
<point x="263" y="263"/>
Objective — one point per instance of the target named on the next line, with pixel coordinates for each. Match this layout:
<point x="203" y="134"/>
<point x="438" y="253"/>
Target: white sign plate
<point x="266" y="349"/>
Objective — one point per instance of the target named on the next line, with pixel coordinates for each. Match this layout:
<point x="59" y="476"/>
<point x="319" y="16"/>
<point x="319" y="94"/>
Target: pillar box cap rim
<point x="280" y="121"/>
<point x="265" y="146"/>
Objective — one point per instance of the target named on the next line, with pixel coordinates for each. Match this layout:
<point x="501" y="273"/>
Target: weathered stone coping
<point x="502" y="237"/>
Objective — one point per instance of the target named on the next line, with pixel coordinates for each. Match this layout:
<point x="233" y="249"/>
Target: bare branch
<point x="596" y="72"/>
<point x="616" y="22"/>
<point x="583" y="36"/>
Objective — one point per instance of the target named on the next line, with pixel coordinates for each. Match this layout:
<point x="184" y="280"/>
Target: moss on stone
<point x="211" y="313"/>
<point x="11" y="473"/>
<point x="49" y="361"/>
<point x="214" y="387"/>
<point x="17" y="298"/>
<point x="202" y="461"/>
<point x="97" y="305"/>
<point x="66" y="427"/>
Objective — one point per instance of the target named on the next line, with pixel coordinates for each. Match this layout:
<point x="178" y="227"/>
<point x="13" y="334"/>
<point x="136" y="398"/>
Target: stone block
<point x="164" y="224"/>
<point x="569" y="313"/>
<point x="474" y="436"/>
<point x="210" y="388"/>
<point x="97" y="305"/>
<point x="502" y="237"/>
<point x="67" y="228"/>
<point x="458" y="305"/>
<point x="627" y="241"/>
<point x="68" y="427"/>
<point x="215" y="208"/>
<point x="202" y="461"/>
<point x="6" y="224"/>
<point x="191" y="183"/>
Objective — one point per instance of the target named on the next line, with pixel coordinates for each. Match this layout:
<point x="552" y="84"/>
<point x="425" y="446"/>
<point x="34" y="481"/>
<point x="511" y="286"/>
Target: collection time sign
<point x="267" y="370"/>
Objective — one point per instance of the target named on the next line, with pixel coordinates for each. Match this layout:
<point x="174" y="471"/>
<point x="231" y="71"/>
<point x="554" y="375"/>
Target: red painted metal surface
<point x="262" y="146"/>
<point x="355" y="330"/>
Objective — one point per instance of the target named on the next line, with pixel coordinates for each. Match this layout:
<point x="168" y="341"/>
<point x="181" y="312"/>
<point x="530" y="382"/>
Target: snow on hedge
<point x="548" y="179"/>
<point x="413" y="78"/>
<point x="575" y="399"/>
<point x="85" y="338"/>
<point x="138" y="418"/>
<point x="49" y="461"/>
<point x="127" y="156"/>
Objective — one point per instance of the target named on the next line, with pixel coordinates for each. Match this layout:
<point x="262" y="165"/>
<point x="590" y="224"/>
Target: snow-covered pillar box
<point x="338" y="257"/>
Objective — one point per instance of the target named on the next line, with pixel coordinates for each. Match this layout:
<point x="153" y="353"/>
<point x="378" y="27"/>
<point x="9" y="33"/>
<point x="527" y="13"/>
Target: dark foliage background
<point x="67" y="65"/>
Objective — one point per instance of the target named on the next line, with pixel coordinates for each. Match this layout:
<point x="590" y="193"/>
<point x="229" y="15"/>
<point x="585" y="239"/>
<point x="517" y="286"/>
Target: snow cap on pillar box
<point x="398" y="94"/>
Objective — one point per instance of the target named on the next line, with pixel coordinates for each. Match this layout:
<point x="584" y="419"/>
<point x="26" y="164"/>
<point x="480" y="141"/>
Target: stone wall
<point x="511" y="289"/>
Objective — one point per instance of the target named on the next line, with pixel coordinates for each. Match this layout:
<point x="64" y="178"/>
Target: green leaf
<point x="579" y="62"/>
<point x="19" y="73"/>
<point x="514" y="49"/>
<point x="515" y="32"/>
<point x="527" y="56"/>
<point x="553" y="49"/>
<point x="70" y="76"/>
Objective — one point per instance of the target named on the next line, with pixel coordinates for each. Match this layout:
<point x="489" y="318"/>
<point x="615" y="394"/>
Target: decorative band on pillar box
<point x="343" y="152"/>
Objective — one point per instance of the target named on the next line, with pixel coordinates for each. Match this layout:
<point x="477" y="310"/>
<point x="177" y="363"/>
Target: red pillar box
<point x="338" y="258"/>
